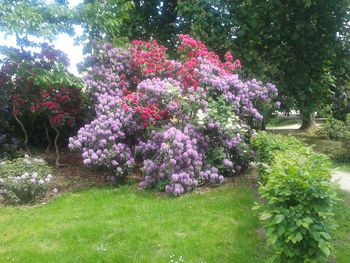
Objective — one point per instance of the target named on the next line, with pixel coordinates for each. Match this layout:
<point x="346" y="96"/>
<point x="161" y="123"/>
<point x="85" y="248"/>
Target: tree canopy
<point x="301" y="45"/>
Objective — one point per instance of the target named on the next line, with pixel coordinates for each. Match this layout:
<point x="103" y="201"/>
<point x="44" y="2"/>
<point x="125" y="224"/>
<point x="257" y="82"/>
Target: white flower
<point x="35" y="175"/>
<point x="25" y="175"/>
<point x="39" y="160"/>
<point x="33" y="180"/>
<point x="49" y="176"/>
<point x="2" y="163"/>
<point x="26" y="161"/>
<point x="41" y="181"/>
<point x="201" y="116"/>
<point x="47" y="180"/>
<point x="1" y="181"/>
<point x="26" y="156"/>
<point x="55" y="190"/>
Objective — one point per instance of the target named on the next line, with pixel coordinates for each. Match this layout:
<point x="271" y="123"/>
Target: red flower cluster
<point x="60" y="104"/>
<point x="149" y="114"/>
<point x="194" y="48"/>
<point x="149" y="58"/>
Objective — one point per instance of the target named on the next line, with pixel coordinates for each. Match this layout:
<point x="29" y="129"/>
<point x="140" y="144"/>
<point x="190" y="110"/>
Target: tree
<point x="102" y="20"/>
<point x="25" y="18"/>
<point x="301" y="45"/>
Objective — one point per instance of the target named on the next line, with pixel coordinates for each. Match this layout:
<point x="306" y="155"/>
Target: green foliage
<point x="338" y="130"/>
<point x="57" y="76"/>
<point x="267" y="145"/>
<point x="23" y="180"/>
<point x="37" y="18"/>
<point x="299" y="198"/>
<point x="103" y="20"/>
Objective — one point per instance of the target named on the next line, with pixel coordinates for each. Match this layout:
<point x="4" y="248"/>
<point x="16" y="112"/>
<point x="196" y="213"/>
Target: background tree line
<point x="300" y="45"/>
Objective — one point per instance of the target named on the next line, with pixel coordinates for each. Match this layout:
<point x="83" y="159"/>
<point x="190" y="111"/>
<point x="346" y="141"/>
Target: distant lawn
<point x="128" y="225"/>
<point x="279" y="121"/>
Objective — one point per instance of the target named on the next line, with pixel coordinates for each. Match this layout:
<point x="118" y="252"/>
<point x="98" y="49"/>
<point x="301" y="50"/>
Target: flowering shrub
<point x="23" y="180"/>
<point x="8" y="146"/>
<point x="185" y="120"/>
<point x="38" y="87"/>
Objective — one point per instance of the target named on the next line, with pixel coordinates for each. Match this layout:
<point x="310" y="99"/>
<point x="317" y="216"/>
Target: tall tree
<point x="301" y="45"/>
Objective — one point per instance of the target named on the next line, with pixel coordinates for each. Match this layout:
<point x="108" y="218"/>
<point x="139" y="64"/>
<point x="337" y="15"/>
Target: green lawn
<point x="128" y="225"/>
<point x="279" y="121"/>
<point x="342" y="232"/>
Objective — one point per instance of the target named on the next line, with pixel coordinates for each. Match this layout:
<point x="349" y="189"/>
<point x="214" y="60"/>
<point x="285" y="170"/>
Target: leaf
<point x="325" y="235"/>
<point x="279" y="219"/>
<point x="264" y="216"/>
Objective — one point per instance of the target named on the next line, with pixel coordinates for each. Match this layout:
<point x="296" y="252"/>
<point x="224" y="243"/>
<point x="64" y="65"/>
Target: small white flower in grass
<point x="2" y="163"/>
<point x="25" y="176"/>
<point x="33" y="180"/>
<point x="26" y="156"/>
<point x="49" y="176"/>
<point x="41" y="181"/>
<point x="55" y="191"/>
<point x="102" y="248"/>
<point x="35" y="175"/>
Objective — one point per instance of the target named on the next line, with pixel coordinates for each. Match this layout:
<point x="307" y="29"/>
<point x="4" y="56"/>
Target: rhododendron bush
<point x="38" y="88"/>
<point x="183" y="121"/>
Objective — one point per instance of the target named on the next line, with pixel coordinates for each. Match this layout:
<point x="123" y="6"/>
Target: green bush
<point x="333" y="129"/>
<point x="266" y="146"/>
<point x="338" y="130"/>
<point x="23" y="180"/>
<point x="297" y="214"/>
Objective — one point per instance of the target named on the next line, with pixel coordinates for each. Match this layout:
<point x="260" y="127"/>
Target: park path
<point x="343" y="179"/>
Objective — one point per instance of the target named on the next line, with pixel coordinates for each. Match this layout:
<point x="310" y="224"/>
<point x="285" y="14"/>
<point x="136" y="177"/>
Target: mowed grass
<point x="128" y="225"/>
<point x="342" y="232"/>
<point x="279" y="121"/>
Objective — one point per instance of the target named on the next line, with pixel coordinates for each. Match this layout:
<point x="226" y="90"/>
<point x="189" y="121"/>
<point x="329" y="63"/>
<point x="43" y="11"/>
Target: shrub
<point x="338" y="130"/>
<point x="23" y="180"/>
<point x="333" y="129"/>
<point x="267" y="145"/>
<point x="39" y="90"/>
<point x="8" y="146"/>
<point x="299" y="200"/>
<point x="184" y="120"/>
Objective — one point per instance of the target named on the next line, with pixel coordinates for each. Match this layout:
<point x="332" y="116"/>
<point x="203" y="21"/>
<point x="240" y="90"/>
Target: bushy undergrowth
<point x="338" y="130"/>
<point x="23" y="180"/>
<point x="184" y="121"/>
<point x="299" y="199"/>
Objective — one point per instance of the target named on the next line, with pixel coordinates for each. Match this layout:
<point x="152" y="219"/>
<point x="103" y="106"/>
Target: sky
<point x="62" y="42"/>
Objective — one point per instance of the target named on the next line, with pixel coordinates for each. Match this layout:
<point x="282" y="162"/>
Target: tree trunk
<point x="24" y="133"/>
<point x="263" y="125"/>
<point x="56" y="146"/>
<point x="308" y="122"/>
<point x="48" y="138"/>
